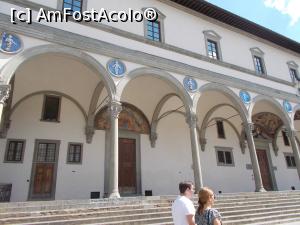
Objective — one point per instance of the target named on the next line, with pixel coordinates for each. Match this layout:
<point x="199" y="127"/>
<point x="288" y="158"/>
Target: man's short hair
<point x="185" y="185"/>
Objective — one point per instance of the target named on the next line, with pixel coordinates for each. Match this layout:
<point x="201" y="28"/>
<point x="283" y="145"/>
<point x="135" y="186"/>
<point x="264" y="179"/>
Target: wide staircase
<point x="236" y="209"/>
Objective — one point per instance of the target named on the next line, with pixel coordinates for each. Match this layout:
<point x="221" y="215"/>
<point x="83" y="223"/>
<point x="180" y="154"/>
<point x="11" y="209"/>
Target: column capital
<point x="191" y="120"/>
<point x="4" y="93"/>
<point x="289" y="132"/>
<point x="115" y="108"/>
<point x="248" y="126"/>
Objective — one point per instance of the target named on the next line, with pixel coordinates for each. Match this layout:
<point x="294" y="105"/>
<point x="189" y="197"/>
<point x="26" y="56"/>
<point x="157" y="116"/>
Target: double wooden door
<point x="264" y="169"/>
<point x="127" y="166"/>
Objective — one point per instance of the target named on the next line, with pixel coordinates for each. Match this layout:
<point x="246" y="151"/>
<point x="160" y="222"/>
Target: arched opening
<point x="160" y="96"/>
<point x="52" y="87"/>
<point x="221" y="115"/>
<point x="270" y="122"/>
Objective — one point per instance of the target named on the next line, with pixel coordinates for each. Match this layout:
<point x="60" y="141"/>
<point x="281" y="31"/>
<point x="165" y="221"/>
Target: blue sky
<point x="281" y="16"/>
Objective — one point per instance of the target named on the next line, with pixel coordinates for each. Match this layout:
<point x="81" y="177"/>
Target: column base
<point x="261" y="189"/>
<point x="114" y="194"/>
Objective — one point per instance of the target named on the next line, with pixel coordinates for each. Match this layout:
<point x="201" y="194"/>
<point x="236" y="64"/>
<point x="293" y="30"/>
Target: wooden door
<point x="264" y="169"/>
<point x="43" y="178"/>
<point x="127" y="166"/>
<point x="43" y="175"/>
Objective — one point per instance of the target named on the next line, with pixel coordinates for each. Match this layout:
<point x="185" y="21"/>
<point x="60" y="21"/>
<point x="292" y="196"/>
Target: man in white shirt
<point x="183" y="210"/>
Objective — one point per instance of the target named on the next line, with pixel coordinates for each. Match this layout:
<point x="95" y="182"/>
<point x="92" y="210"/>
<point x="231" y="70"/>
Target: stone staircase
<point x="236" y="209"/>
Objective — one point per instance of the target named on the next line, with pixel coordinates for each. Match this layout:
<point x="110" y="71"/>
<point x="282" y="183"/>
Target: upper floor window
<point x="293" y="70"/>
<point x="154" y="30"/>
<point x="259" y="68"/>
<point x="74" y="5"/>
<point x="74" y="153"/>
<point x="290" y="160"/>
<point x="212" y="41"/>
<point x="14" y="151"/>
<point x="258" y="60"/>
<point x="51" y="108"/>
<point x="220" y="129"/>
<point x="212" y="48"/>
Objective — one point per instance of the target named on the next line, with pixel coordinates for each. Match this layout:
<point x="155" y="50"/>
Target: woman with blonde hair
<point x="206" y="215"/>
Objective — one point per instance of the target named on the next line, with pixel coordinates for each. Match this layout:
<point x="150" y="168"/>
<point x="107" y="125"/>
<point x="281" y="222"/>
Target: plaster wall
<point x="234" y="43"/>
<point x="73" y="181"/>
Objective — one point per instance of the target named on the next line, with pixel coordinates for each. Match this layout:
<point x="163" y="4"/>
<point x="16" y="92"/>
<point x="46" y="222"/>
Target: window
<point x="258" y="65"/>
<point x="285" y="138"/>
<point x="224" y="156"/>
<point x="154" y="30"/>
<point x="74" y="153"/>
<point x="220" y="129"/>
<point x="293" y="70"/>
<point x="212" y="43"/>
<point x="212" y="48"/>
<point x="290" y="160"/>
<point x="74" y="5"/>
<point x="46" y="152"/>
<point x="14" y="151"/>
<point x="51" y="108"/>
<point x="258" y="60"/>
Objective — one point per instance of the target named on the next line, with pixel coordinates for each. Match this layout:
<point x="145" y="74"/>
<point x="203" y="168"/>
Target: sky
<point x="281" y="16"/>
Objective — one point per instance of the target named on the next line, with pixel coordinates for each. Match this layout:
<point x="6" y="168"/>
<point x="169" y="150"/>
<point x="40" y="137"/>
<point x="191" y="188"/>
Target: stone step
<point x="251" y="215"/>
<point x="225" y="196"/>
<point x="258" y="209"/>
<point x="264" y="219"/>
<point x="139" y="214"/>
<point x="107" y="220"/>
<point x="82" y="214"/>
<point x="164" y="202"/>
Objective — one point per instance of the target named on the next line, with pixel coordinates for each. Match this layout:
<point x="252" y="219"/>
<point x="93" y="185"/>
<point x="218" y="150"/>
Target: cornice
<point x="66" y="38"/>
<point x="136" y="37"/>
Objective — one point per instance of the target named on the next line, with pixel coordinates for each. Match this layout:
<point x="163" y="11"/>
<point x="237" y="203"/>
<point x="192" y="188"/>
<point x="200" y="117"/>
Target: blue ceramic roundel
<point x="287" y="106"/>
<point x="245" y="96"/>
<point x="10" y="43"/>
<point x="116" y="67"/>
<point x="190" y="84"/>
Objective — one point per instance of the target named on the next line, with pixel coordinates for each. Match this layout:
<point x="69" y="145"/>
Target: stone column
<point x="192" y="122"/>
<point x="115" y="109"/>
<point x="254" y="161"/>
<point x="4" y="95"/>
<point x="292" y="135"/>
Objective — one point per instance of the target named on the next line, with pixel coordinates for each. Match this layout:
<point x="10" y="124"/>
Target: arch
<point x="155" y="117"/>
<point x="163" y="75"/>
<point x="274" y="141"/>
<point x="12" y="65"/>
<point x="48" y="92"/>
<point x="205" y="121"/>
<point x="295" y="109"/>
<point x="239" y="105"/>
<point x="131" y="118"/>
<point x="282" y="114"/>
<point x="158" y="119"/>
<point x="89" y="129"/>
